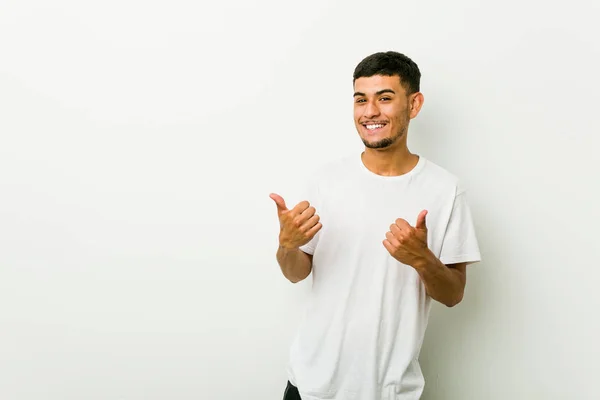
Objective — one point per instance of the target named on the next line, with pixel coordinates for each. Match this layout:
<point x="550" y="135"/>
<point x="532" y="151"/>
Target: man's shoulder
<point x="323" y="174"/>
<point x="435" y="175"/>
<point x="436" y="170"/>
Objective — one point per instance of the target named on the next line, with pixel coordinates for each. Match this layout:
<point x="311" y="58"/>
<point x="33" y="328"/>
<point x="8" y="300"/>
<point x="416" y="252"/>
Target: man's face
<point x="383" y="110"/>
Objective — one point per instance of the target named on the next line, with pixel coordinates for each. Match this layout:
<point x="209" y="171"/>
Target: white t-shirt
<point x="366" y="314"/>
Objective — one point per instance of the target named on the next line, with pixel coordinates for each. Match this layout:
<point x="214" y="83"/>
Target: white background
<point x="139" y="141"/>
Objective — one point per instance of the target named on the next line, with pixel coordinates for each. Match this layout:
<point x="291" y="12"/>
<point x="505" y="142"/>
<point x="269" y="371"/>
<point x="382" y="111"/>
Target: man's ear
<point x="416" y="102"/>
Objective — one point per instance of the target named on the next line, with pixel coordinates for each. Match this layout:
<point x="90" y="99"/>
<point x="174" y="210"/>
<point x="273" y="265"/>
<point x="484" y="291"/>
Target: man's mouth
<point x="374" y="127"/>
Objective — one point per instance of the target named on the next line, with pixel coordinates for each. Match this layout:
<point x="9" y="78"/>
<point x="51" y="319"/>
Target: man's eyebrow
<point x="380" y="92"/>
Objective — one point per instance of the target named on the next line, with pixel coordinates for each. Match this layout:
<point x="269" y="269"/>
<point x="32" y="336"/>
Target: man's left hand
<point x="406" y="243"/>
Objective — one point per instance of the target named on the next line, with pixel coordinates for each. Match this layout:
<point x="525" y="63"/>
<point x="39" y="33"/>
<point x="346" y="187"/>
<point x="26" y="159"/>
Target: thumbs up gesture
<point x="298" y="225"/>
<point x="406" y="243"/>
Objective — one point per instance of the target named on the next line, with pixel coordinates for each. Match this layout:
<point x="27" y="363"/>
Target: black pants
<point x="291" y="392"/>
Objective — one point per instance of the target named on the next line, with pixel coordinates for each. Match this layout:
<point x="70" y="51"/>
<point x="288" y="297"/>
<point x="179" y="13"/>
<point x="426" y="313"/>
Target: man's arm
<point x="407" y="244"/>
<point x="444" y="283"/>
<point x="295" y="264"/>
<point x="297" y="227"/>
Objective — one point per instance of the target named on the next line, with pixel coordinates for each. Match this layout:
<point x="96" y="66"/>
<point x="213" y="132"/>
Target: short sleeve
<point x="460" y="241"/>
<point x="311" y="194"/>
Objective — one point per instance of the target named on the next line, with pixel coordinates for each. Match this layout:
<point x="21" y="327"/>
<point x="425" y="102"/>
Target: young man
<point x="383" y="232"/>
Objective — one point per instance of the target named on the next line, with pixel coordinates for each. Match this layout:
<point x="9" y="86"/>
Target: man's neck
<point x="389" y="162"/>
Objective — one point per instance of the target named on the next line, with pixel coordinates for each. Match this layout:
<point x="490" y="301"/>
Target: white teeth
<point x="371" y="127"/>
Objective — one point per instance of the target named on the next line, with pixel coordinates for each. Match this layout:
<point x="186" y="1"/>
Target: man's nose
<point x="371" y="110"/>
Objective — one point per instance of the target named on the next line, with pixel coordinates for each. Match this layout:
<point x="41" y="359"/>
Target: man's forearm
<point x="295" y="264"/>
<point x="442" y="283"/>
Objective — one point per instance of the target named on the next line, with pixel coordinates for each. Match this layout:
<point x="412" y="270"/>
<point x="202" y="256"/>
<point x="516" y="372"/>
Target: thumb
<point x="421" y="220"/>
<point x="281" y="207"/>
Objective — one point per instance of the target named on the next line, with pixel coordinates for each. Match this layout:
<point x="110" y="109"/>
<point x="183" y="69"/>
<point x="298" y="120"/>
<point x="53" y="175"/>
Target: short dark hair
<point x="390" y="63"/>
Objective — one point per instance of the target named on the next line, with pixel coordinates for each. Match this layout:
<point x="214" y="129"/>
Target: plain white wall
<point x="139" y="141"/>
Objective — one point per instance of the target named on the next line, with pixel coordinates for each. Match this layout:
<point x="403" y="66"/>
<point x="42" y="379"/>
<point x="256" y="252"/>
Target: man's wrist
<point x="288" y="247"/>
<point x="426" y="261"/>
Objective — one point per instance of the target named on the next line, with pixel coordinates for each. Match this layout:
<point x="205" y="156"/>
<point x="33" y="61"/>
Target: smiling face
<point x="383" y="110"/>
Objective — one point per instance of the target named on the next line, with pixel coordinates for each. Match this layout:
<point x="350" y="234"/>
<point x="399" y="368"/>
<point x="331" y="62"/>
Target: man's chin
<point x="379" y="144"/>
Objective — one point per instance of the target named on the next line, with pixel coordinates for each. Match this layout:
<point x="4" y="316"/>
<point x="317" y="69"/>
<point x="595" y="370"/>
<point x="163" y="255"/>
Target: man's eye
<point x="360" y="100"/>
<point x="385" y="98"/>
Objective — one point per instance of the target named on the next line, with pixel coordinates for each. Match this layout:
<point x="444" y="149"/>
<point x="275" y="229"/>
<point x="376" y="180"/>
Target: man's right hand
<point x="298" y="225"/>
